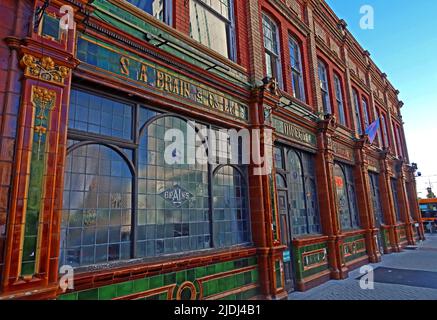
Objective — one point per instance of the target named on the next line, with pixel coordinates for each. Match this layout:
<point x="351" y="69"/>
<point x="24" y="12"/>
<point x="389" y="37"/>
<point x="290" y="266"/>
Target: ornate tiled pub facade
<point x="85" y="185"/>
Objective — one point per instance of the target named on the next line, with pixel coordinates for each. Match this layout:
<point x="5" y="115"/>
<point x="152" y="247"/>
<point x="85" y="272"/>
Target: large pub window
<point x="160" y="9"/>
<point x="272" y="49"/>
<point x="346" y="198"/>
<point x="394" y="191"/>
<point x="118" y="188"/>
<point x="230" y="217"/>
<point x="374" y="184"/>
<point x="212" y="24"/>
<point x="300" y="172"/>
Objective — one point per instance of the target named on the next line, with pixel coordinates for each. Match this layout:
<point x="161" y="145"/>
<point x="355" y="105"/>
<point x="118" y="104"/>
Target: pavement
<point x="392" y="281"/>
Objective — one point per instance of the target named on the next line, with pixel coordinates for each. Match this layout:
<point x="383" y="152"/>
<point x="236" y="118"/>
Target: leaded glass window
<point x="296" y="70"/>
<point x="324" y="87"/>
<point x="117" y="190"/>
<point x="339" y="98"/>
<point x="230" y="217"/>
<point x="99" y="115"/>
<point x="272" y="49"/>
<point x="164" y="227"/>
<point x="301" y="186"/>
<point x="394" y="191"/>
<point x="374" y="184"/>
<point x="96" y="219"/>
<point x="346" y="197"/>
<point x="278" y="158"/>
<point x="211" y="23"/>
<point x="297" y="199"/>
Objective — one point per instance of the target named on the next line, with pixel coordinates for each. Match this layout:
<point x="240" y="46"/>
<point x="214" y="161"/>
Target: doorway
<point x="285" y="225"/>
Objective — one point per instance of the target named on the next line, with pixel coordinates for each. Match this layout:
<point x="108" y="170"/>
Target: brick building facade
<point x="83" y="113"/>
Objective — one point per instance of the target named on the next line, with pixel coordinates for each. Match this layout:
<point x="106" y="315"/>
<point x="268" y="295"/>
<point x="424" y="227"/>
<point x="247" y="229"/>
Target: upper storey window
<point x="357" y="112"/>
<point x="212" y="24"/>
<point x="160" y="9"/>
<point x="339" y="98"/>
<point x="296" y="70"/>
<point x="272" y="50"/>
<point x="324" y="87"/>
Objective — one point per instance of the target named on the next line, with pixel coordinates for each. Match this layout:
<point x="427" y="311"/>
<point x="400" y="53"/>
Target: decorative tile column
<point x="32" y="246"/>
<point x="364" y="193"/>
<point x="387" y="201"/>
<point x="265" y="223"/>
<point x="328" y="195"/>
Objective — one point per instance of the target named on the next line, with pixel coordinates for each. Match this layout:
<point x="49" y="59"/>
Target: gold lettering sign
<point x="147" y="74"/>
<point x="343" y="152"/>
<point x="294" y="132"/>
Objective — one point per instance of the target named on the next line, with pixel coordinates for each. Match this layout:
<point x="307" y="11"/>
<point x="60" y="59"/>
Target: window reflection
<point x="156" y="8"/>
<point x="98" y="191"/>
<point x="231" y="221"/>
<point x="96" y="222"/>
<point x="211" y="24"/>
<point x="346" y="198"/>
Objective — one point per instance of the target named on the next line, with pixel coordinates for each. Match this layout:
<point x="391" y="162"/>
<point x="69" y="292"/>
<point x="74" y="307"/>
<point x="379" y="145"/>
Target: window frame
<point x="326" y="96"/>
<point x="349" y="182"/>
<point x="357" y="108"/>
<point x="230" y="27"/>
<point x="168" y="11"/>
<point x="294" y="43"/>
<point x="338" y="84"/>
<point x="277" y="66"/>
<point x="286" y="173"/>
<point x="133" y="146"/>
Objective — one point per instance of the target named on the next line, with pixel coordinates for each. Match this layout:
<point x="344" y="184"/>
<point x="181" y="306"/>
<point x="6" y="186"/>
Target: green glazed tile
<point x="107" y="292"/>
<point x="156" y="282"/>
<point x="68" y="296"/>
<point x="92" y="294"/>
<point x="170" y="278"/>
<point x="125" y="288"/>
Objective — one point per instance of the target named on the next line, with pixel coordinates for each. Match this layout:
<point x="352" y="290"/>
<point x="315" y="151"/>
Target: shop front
<point x="306" y="257"/>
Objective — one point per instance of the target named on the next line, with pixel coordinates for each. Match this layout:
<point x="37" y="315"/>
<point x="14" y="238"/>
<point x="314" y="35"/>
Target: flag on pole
<point x="372" y="130"/>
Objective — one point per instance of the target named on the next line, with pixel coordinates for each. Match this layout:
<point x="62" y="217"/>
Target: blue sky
<point x="403" y="44"/>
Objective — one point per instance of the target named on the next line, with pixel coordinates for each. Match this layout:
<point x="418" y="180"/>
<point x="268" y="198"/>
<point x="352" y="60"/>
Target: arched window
<point x="272" y="49"/>
<point x="303" y="197"/>
<point x="296" y="70"/>
<point x="394" y="191"/>
<point x="297" y="196"/>
<point x="127" y="182"/>
<point x="346" y="198"/>
<point x="230" y="217"/>
<point x="324" y="87"/>
<point x="280" y="181"/>
<point x="374" y="183"/>
<point x="97" y="208"/>
<point x="173" y="209"/>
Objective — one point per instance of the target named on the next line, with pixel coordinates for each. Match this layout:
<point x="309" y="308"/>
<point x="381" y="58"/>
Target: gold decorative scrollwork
<point x="44" y="69"/>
